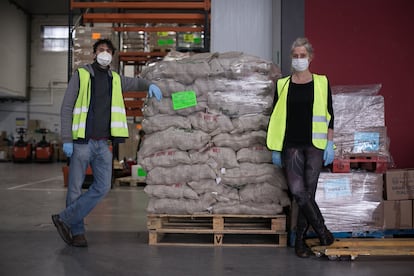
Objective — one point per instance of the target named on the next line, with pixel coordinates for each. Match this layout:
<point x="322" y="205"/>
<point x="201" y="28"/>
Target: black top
<point x="99" y="114"/>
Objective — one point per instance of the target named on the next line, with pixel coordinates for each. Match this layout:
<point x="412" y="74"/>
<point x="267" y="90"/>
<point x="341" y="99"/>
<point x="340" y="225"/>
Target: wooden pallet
<point x="217" y="230"/>
<point x="130" y="181"/>
<point x="374" y="163"/>
<point x="354" y="247"/>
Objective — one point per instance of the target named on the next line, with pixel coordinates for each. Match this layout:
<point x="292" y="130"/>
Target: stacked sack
<point x="211" y="157"/>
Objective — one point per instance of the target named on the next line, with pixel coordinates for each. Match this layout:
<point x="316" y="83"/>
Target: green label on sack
<point x="141" y="172"/>
<point x="184" y="99"/>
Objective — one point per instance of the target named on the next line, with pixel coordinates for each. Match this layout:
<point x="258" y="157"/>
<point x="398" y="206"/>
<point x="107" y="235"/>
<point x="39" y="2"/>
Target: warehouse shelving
<point x="146" y="17"/>
<point x="188" y="16"/>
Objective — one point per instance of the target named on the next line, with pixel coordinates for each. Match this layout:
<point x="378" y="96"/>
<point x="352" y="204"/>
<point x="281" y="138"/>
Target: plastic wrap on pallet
<point x="162" y="41"/>
<point x="364" y="141"/>
<point x="360" y="90"/>
<point x="217" y="148"/>
<point x="354" y="112"/>
<point x="359" y="121"/>
<point x="351" y="202"/>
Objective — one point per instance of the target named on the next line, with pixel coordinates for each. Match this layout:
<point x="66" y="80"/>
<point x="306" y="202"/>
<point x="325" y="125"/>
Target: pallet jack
<point x="351" y="248"/>
<point x="22" y="150"/>
<point x="43" y="149"/>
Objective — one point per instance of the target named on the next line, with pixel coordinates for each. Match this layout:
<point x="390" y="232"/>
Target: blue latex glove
<point x="277" y="158"/>
<point x="328" y="154"/>
<point x="68" y="149"/>
<point x="154" y="90"/>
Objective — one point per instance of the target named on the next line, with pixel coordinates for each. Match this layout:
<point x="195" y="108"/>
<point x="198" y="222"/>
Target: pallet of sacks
<point x="208" y="155"/>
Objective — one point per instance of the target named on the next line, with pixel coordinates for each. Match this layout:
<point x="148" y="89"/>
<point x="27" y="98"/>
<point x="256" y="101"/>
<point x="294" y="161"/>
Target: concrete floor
<point x="118" y="241"/>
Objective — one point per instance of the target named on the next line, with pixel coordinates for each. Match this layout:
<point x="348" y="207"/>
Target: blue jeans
<point x="78" y="204"/>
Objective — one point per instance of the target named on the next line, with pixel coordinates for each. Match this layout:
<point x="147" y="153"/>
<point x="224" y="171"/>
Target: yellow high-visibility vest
<point x="119" y="127"/>
<point x="320" y="119"/>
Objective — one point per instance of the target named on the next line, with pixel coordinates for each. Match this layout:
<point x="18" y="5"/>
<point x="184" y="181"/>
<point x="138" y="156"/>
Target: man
<point x="92" y="114"/>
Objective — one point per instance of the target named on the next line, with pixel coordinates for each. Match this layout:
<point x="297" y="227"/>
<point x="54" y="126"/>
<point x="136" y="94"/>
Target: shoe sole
<point x="79" y="245"/>
<point x="56" y="222"/>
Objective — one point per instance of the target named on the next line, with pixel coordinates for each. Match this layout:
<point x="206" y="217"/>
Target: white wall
<point x="13" y="49"/>
<point x="48" y="81"/>
<point x="48" y="76"/>
<point x="248" y="26"/>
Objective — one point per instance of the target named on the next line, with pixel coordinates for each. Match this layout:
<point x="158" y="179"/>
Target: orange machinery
<point x="43" y="149"/>
<point x="22" y="150"/>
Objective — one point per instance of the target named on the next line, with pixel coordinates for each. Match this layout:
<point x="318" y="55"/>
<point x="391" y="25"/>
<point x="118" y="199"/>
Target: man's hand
<point x="154" y="90"/>
<point x="68" y="149"/>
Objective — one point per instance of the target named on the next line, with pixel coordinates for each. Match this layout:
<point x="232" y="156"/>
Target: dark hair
<point x="106" y="41"/>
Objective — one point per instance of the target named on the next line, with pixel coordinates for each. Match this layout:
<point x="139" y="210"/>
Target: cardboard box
<point x="33" y="125"/>
<point x="399" y="184"/>
<point x="128" y="149"/>
<point x="398" y="214"/>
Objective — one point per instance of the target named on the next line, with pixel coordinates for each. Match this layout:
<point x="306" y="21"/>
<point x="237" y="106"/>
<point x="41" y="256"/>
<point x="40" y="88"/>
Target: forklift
<point x="43" y="149"/>
<point x="22" y="150"/>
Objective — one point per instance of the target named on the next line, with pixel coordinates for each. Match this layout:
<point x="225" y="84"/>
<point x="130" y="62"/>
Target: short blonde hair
<point x="302" y="41"/>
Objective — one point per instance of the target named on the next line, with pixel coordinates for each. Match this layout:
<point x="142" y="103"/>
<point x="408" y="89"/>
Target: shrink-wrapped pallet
<point x="211" y="156"/>
<point x="359" y="121"/>
<point x="351" y="202"/>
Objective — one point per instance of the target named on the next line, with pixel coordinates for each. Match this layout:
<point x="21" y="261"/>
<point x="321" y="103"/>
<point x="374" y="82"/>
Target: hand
<point x="329" y="154"/>
<point x="154" y="90"/>
<point x="68" y="149"/>
<point x="277" y="158"/>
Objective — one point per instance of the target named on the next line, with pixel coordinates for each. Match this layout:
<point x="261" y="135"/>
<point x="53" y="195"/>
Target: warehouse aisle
<point x="118" y="241"/>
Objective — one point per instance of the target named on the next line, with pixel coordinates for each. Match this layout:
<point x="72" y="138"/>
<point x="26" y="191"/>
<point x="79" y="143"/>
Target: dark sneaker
<point x="63" y="229"/>
<point x="79" y="241"/>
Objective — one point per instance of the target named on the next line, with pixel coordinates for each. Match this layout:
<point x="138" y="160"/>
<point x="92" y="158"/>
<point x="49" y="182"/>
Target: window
<point x="55" y="38"/>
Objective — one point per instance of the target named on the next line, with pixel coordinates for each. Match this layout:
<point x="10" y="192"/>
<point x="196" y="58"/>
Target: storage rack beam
<point x="142" y="18"/>
<point x="139" y="57"/>
<point x="181" y="5"/>
<point x="158" y="29"/>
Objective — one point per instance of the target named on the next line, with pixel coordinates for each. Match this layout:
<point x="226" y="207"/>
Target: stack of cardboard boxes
<point x="399" y="196"/>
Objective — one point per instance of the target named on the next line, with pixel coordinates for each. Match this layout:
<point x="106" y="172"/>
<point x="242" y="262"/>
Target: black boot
<point x="301" y="248"/>
<point x="311" y="211"/>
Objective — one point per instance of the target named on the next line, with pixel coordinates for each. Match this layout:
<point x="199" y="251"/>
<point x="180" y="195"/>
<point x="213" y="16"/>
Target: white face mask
<point x="104" y="58"/>
<point x="300" y="64"/>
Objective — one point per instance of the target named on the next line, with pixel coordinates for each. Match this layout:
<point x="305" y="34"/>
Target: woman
<point x="300" y="133"/>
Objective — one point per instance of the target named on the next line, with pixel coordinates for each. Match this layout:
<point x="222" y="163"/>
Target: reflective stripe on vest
<point x="119" y="127"/>
<point x="320" y="120"/>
